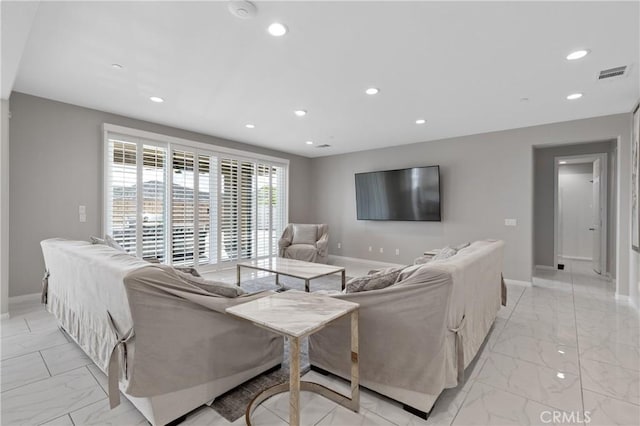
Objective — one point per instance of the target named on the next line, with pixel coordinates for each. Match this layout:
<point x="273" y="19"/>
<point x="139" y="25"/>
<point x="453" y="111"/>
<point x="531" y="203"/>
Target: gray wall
<point x="486" y="178"/>
<point x="544" y="169"/>
<point x="56" y="165"/>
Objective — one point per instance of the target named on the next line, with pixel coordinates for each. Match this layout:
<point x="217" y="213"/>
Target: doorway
<point x="581" y="210"/>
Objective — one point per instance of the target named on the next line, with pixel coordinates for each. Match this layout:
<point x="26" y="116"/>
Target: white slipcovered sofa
<point x="171" y="345"/>
<point x="418" y="335"/>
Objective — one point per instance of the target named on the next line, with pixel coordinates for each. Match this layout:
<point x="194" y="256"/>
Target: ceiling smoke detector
<point x="242" y="9"/>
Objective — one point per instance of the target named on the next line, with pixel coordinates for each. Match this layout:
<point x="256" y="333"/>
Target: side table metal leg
<point x="306" y="286"/>
<point x="278" y="280"/>
<point x="294" y="382"/>
<point x="355" y="363"/>
<point x="344" y="279"/>
<point x="238" y="275"/>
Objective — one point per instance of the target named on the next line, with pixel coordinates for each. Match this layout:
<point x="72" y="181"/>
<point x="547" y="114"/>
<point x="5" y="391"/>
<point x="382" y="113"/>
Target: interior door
<point x="596" y="226"/>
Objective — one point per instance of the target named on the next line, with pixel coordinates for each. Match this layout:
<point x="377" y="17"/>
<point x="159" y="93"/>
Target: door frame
<point x="604" y="195"/>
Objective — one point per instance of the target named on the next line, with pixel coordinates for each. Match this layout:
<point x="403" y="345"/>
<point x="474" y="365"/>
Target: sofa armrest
<point x="285" y="240"/>
<point x="323" y="245"/>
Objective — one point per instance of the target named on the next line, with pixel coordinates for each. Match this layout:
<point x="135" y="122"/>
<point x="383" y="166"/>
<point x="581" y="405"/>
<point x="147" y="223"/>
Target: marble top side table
<point x="295" y="314"/>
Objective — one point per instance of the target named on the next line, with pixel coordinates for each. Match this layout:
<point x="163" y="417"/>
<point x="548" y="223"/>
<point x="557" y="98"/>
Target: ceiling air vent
<point x="612" y="72"/>
<point x="324" y="145"/>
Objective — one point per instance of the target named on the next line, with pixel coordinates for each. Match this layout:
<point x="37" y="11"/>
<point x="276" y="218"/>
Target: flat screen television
<point x="402" y="195"/>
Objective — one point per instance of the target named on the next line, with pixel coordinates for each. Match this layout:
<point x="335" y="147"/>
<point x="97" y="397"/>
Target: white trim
<point x="623" y="299"/>
<point x="518" y="282"/>
<point x="191" y="144"/>
<point x="31" y="297"/>
<point x="358" y="260"/>
<point x="604" y="195"/>
<point x="545" y="267"/>
<point x="575" y="257"/>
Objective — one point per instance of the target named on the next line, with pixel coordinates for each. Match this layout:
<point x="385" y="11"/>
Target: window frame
<point x="171" y="143"/>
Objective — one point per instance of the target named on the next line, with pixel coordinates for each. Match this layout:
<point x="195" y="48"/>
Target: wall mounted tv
<point x="402" y="195"/>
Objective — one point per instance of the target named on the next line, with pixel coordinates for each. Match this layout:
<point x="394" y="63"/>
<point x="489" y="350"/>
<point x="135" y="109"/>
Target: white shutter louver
<point x="229" y="196"/>
<point x="247" y="210"/>
<point x="122" y="178"/>
<point x="182" y="208"/>
<point x="153" y="202"/>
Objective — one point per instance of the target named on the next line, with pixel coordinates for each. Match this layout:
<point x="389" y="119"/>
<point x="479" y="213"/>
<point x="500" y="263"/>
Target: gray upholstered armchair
<point x="305" y="242"/>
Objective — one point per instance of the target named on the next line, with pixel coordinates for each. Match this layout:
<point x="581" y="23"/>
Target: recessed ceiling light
<point x="562" y="162"/>
<point x="156" y="99"/>
<point x="574" y="96"/>
<point x="300" y="112"/>
<point x="250" y="126"/>
<point x="277" y="29"/>
<point x="372" y="91"/>
<point x="116" y="66"/>
<point x="560" y="375"/>
<point x="421" y="121"/>
<point x="577" y="54"/>
<point x="309" y="142"/>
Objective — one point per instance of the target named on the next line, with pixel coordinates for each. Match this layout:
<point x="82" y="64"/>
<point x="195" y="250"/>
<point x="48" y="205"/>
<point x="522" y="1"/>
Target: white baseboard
<point x="623" y="298"/>
<point x="518" y="282"/>
<point x="32" y="297"/>
<point x="4" y="316"/>
<point x="368" y="261"/>
<point x="576" y="258"/>
<point x="545" y="267"/>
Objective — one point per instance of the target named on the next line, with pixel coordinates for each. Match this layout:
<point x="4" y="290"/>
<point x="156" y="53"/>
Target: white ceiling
<point x="461" y="66"/>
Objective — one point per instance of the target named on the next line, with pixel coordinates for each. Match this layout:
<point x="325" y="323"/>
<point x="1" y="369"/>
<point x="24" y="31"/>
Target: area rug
<point x="329" y="282"/>
<point x="233" y="404"/>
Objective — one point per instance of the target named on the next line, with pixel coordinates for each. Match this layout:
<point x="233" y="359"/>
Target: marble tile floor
<point x="562" y="347"/>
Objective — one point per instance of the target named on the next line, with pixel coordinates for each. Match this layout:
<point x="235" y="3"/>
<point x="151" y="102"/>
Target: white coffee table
<point x="294" y="315"/>
<point x="306" y="271"/>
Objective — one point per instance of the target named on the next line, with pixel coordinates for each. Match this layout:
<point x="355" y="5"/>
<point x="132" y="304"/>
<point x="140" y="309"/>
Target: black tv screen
<point x="402" y="195"/>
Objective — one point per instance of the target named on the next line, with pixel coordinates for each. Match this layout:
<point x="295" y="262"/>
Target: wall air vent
<point x="613" y="72"/>
<point x="324" y="145"/>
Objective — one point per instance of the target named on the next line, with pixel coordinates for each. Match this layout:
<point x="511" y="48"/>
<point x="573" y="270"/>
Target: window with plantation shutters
<point x="187" y="204"/>
<point x="122" y="181"/>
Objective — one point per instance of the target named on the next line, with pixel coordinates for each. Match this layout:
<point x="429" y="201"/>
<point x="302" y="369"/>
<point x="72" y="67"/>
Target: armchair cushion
<point x="305" y="234"/>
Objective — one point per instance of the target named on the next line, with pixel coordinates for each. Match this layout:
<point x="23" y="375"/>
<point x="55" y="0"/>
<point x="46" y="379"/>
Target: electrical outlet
<point x="397" y="252"/>
<point x="339" y="245"/>
<point x="370" y="248"/>
<point x="381" y="250"/>
<point x="82" y="213"/>
<point x="510" y="222"/>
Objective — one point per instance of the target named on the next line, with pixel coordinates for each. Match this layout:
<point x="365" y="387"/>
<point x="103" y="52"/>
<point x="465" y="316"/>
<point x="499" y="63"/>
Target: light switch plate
<point x="510" y="222"/>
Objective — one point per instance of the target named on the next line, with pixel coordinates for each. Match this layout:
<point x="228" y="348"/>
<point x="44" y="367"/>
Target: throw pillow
<point x="97" y="240"/>
<point x="215" y="287"/>
<point x="113" y="243"/>
<point x="422" y="260"/>
<point x="461" y="246"/>
<point x="445" y="253"/>
<point x="188" y="270"/>
<point x="304" y="234"/>
<point x="375" y="281"/>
